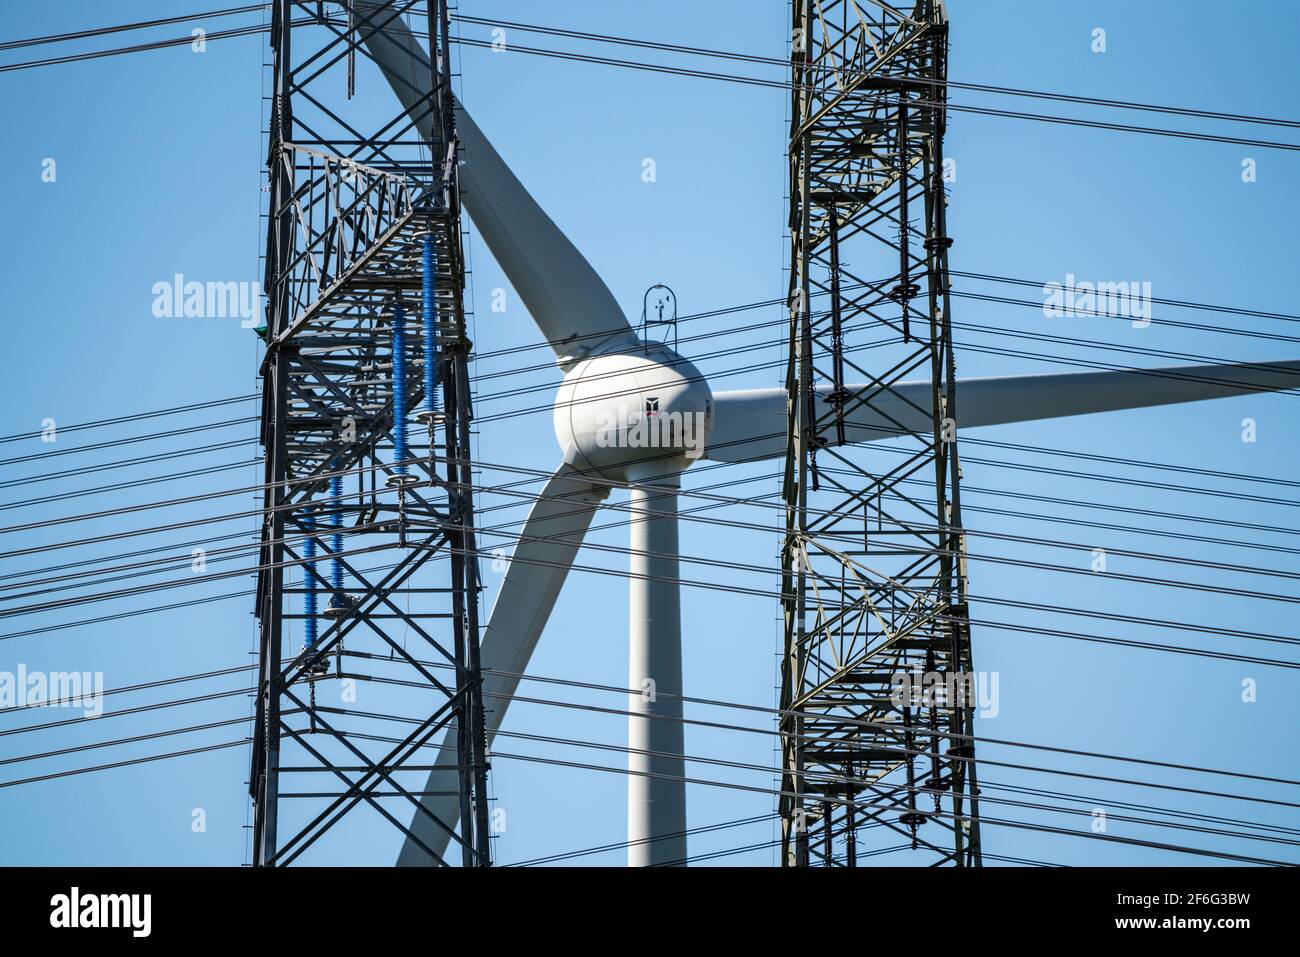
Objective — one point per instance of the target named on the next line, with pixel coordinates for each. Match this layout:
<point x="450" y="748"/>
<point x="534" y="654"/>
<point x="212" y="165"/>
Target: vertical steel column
<point x="465" y="582"/>
<point x="794" y="831"/>
<point x="264" y="778"/>
<point x="937" y="243"/>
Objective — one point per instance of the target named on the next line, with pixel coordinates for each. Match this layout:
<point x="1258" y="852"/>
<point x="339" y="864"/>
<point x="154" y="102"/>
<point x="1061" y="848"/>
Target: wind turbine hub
<point x="642" y="408"/>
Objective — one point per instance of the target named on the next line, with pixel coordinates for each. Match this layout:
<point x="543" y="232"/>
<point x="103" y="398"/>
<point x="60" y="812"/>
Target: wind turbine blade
<point x="568" y="300"/>
<point x="751" y="424"/>
<point x="550" y="539"/>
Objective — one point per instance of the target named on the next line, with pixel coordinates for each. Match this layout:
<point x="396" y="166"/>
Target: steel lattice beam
<point x="355" y="208"/>
<point x="873" y="571"/>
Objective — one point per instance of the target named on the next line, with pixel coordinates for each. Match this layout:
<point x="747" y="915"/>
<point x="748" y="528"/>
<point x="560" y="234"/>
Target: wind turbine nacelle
<point x="643" y="408"/>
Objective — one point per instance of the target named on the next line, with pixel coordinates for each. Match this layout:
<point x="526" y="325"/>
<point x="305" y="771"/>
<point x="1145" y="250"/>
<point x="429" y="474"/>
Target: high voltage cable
<point x="892" y="787"/>
<point x="1087" y="455"/>
<point x="1121" y="576"/>
<point x="783" y="322"/>
<point x="125" y="463"/>
<point x="1086" y="475"/>
<point x="127" y="689"/>
<point x="689" y="558"/>
<point x="978" y="532"/>
<point x="42" y="456"/>
<point x="225" y="493"/>
<point x="883" y="97"/>
<point x="531" y="389"/>
<point x="1157" y="464"/>
<point x="1024" y="629"/>
<point x="1005" y="330"/>
<point x="637" y="842"/>
<point x="517" y="391"/>
<point x="886" y="726"/>
<point x="138" y="25"/>
<point x="238" y="594"/>
<point x="127" y="763"/>
<point x="1001" y="351"/>
<point x="698" y="74"/>
<point x="1242" y="387"/>
<point x="172" y="558"/>
<point x="132" y="739"/>
<point x="844" y="779"/>
<point x="1245" y="388"/>
<point x="144" y="47"/>
<point x="1090" y="476"/>
<point x="920" y="752"/>
<point x="1084" y="612"/>
<point x="986" y="623"/>
<point x="1083" y="311"/>
<point x="993" y="762"/>
<point x="1053" y="809"/>
<point x="984" y="820"/>
<point x="1127" y="510"/>
<point x="1180" y="303"/>
<point x="1173" y="812"/>
<point x="133" y="417"/>
<point x="862" y="327"/>
<point x="159" y="565"/>
<point x="843" y="71"/>
<point x="598" y="397"/>
<point x="132" y="484"/>
<point x="896" y="728"/>
<point x="975" y="489"/>
<point x="723" y="500"/>
<point x="697" y="51"/>
<point x="850" y="287"/>
<point x="178" y="559"/>
<point x="871" y="324"/>
<point x="820" y="776"/>
<point x="189" y="546"/>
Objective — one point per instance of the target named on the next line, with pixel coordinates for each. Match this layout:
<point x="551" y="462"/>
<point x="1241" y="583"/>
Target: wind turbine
<point x="613" y="383"/>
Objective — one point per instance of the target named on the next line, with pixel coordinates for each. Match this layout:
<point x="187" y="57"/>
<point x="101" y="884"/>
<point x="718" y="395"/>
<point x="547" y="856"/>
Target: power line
<point x="623" y="845"/>
<point x="62" y="474"/>
<point x="767" y="593"/>
<point x="1074" y="502"/>
<point x="133" y="417"/>
<point x="785" y="63"/>
<point x="699" y="74"/>
<point x="132" y="484"/>
<point x="740" y="566"/>
<point x="114" y="443"/>
<point x="880" y="97"/>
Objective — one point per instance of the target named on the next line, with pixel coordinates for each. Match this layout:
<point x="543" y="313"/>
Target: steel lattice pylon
<point x="873" y="562"/>
<point x="363" y="231"/>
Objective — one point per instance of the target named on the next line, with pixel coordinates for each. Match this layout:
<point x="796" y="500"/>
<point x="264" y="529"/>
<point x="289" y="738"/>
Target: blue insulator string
<point x="336" y="540"/>
<point x="431" y="403"/>
<point x="309" y="584"/>
<point x="399" y="387"/>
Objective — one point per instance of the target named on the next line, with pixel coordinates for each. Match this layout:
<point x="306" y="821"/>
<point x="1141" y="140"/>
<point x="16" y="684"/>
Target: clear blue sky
<point x="159" y="160"/>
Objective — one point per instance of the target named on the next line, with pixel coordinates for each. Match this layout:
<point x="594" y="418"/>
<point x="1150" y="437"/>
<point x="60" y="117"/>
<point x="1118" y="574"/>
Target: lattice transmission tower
<point x="873" y="564"/>
<point x="367" y="601"/>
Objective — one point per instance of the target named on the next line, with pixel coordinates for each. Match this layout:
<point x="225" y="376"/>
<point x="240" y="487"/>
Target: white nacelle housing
<point x="646" y="406"/>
